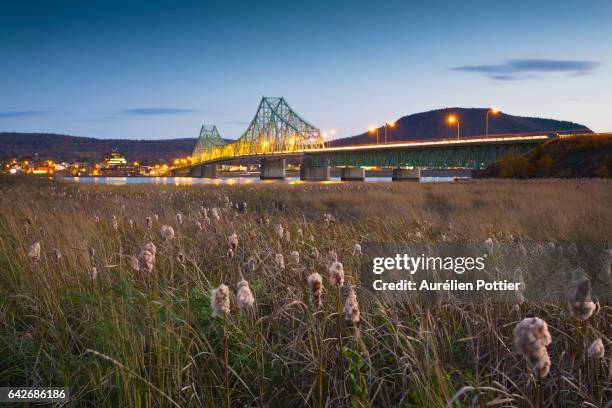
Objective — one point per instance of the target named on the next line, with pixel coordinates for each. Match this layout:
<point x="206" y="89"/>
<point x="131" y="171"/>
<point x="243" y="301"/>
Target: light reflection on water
<point x="186" y="181"/>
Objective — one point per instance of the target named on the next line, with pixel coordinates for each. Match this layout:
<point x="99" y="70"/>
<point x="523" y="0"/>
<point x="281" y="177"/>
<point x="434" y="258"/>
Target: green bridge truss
<point x="275" y="129"/>
<point x="472" y="155"/>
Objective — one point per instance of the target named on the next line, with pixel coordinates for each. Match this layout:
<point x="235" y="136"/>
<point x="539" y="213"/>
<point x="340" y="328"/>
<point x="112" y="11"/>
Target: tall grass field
<point x="133" y="296"/>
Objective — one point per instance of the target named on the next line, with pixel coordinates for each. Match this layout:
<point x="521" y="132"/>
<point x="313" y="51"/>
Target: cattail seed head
<point x="579" y="297"/>
<point x="114" y="223"/>
<point x="149" y="222"/>
<point x="315" y="283"/>
<point x="147" y="257"/>
<point x="179" y="218"/>
<point x="167" y="232"/>
<point x="251" y="264"/>
<point x="34" y="252"/>
<point x="230" y="253"/>
<point x="131" y="223"/>
<point x="336" y="274"/>
<point x="134" y="263"/>
<point x="294" y="257"/>
<point x="597" y="349"/>
<point x="181" y="258"/>
<point x="351" y="306"/>
<point x="57" y="255"/>
<point x="279" y="260"/>
<point x="531" y="337"/>
<point x="332" y="256"/>
<point x="244" y="296"/>
<point x="199" y="225"/>
<point x="279" y="231"/>
<point x="93" y="274"/>
<point x="357" y="250"/>
<point x="233" y="241"/>
<point x="220" y="301"/>
<point x="488" y="244"/>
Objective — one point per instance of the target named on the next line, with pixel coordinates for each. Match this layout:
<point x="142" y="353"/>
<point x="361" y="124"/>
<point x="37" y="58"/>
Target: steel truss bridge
<point x="277" y="132"/>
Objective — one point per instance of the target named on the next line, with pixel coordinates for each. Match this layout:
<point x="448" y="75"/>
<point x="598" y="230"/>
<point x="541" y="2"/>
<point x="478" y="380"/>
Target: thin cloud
<point x="158" y="111"/>
<point x="19" y="114"/>
<point x="518" y="69"/>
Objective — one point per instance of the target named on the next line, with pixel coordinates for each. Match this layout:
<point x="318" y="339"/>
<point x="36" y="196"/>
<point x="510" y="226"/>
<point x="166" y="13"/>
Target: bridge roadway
<point x="406" y="158"/>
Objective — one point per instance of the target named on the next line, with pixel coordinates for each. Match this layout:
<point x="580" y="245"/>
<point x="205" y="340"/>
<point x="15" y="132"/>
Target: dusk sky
<point x="160" y="69"/>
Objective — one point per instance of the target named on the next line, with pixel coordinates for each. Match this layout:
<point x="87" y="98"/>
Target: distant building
<point x="115" y="164"/>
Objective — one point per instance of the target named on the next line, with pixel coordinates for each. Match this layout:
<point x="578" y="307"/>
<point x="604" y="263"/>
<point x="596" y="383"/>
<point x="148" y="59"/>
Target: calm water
<point x="180" y="181"/>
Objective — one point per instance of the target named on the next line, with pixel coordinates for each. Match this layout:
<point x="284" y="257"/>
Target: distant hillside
<point x="434" y="125"/>
<point x="578" y="156"/>
<point x="64" y="147"/>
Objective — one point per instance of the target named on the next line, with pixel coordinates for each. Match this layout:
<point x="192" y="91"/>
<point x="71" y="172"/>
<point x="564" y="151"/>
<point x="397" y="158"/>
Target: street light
<point x="494" y="111"/>
<point x="452" y="119"/>
<point x="388" y="124"/>
<point x="374" y="129"/>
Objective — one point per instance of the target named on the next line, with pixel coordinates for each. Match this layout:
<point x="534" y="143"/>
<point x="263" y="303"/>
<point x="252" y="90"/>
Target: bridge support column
<point x="352" y="174"/>
<point x="308" y="173"/>
<point x="400" y="174"/>
<point x="195" y="171"/>
<point x="270" y="169"/>
<point x="209" y="171"/>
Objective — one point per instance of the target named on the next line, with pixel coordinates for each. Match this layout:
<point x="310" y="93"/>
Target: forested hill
<point x="434" y="125"/>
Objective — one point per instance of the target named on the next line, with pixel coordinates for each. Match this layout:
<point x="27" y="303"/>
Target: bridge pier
<point x="308" y="172"/>
<point x="352" y="174"/>
<point x="204" y="171"/>
<point x="209" y="171"/>
<point x="271" y="169"/>
<point x="195" y="171"/>
<point x="400" y="174"/>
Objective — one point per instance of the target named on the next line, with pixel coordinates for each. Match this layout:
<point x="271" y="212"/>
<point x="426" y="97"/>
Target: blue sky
<point x="160" y="69"/>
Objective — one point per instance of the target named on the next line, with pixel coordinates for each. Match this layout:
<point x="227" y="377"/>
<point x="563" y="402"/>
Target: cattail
<point x="315" y="283"/>
<point x="294" y="257"/>
<point x="179" y="218"/>
<point x="134" y="263"/>
<point x="336" y="274"/>
<point x="311" y="238"/>
<point x="579" y="297"/>
<point x="531" y="337"/>
<point x="220" y="301"/>
<point x="357" y="250"/>
<point x="149" y="246"/>
<point x="57" y="255"/>
<point x="34" y="252"/>
<point x="278" y="229"/>
<point x="114" y="223"/>
<point x="215" y="214"/>
<point x="96" y="219"/>
<point x="315" y="253"/>
<point x="243" y="207"/>
<point x="207" y="221"/>
<point x="488" y="244"/>
<point x="351" y="306"/>
<point x="199" y="225"/>
<point x="93" y="274"/>
<point x="156" y="216"/>
<point x="92" y="254"/>
<point x="147" y="257"/>
<point x="244" y="296"/>
<point x="181" y="258"/>
<point x="329" y="219"/>
<point x="251" y="264"/>
<point x="279" y="260"/>
<point x="332" y="256"/>
<point x="167" y="232"/>
<point x="300" y="234"/>
<point x="233" y="242"/>
<point x="149" y="222"/>
<point x="230" y="253"/>
<point x="597" y="349"/>
<point x="131" y="223"/>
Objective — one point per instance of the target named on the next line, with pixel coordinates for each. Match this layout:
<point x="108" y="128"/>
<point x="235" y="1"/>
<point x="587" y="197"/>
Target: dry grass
<point x="149" y="339"/>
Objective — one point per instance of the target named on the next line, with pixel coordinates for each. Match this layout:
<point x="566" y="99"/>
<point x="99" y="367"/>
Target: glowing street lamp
<point x="494" y="111"/>
<point x="374" y="129"/>
<point x="452" y="119"/>
<point x="388" y="124"/>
